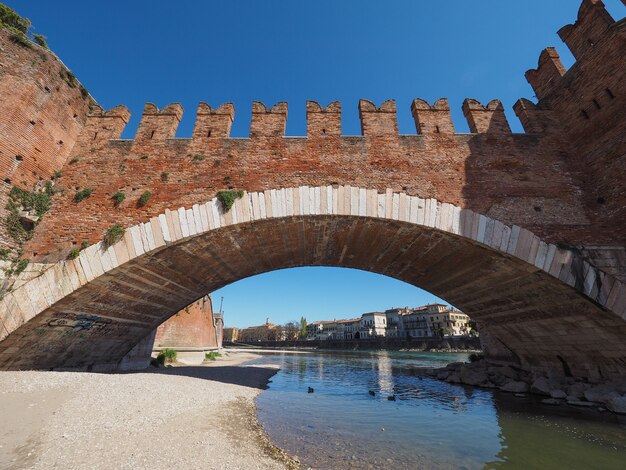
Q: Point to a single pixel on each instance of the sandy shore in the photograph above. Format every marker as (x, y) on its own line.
(177, 417)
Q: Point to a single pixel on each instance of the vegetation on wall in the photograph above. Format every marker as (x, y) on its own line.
(144, 198)
(21, 202)
(113, 235)
(228, 197)
(118, 198)
(82, 194)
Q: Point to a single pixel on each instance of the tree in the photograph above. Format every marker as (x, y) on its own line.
(292, 330)
(302, 328)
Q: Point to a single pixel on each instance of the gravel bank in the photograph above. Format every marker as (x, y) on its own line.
(178, 417)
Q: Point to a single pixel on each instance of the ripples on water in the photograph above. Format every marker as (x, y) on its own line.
(430, 425)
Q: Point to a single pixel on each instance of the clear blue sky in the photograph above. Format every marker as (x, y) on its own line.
(133, 51)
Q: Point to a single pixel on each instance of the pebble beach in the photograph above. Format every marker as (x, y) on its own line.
(173, 417)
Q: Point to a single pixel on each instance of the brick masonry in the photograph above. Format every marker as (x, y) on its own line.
(486, 220)
(41, 118)
(191, 327)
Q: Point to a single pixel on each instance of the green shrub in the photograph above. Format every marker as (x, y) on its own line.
(74, 160)
(57, 175)
(165, 176)
(41, 40)
(144, 198)
(475, 357)
(74, 253)
(228, 198)
(10, 18)
(31, 200)
(166, 356)
(68, 77)
(21, 266)
(212, 356)
(82, 194)
(83, 92)
(4, 254)
(118, 198)
(197, 158)
(20, 38)
(113, 235)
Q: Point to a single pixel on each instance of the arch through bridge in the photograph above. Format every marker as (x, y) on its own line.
(538, 305)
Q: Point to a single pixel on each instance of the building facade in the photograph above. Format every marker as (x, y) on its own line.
(428, 321)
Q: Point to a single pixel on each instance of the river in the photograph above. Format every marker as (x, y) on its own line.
(430, 424)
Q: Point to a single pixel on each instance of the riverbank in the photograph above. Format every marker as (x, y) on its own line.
(602, 395)
(174, 417)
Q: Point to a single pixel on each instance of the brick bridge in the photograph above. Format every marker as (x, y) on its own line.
(524, 232)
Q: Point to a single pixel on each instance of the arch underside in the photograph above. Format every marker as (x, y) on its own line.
(528, 316)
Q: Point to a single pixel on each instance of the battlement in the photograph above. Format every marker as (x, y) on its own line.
(587, 34)
(215, 123)
(482, 119)
(433, 119)
(321, 122)
(592, 23)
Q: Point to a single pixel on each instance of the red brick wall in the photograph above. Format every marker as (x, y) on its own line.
(563, 179)
(588, 105)
(191, 327)
(40, 120)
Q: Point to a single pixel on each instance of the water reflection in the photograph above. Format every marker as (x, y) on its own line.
(431, 424)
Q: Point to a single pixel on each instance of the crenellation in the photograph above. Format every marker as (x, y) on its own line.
(268, 122)
(433, 119)
(159, 125)
(486, 119)
(322, 122)
(534, 119)
(591, 25)
(547, 76)
(103, 125)
(213, 123)
(378, 121)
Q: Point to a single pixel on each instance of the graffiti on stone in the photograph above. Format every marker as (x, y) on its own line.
(79, 322)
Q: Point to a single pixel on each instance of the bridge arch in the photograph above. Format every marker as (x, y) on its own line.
(539, 305)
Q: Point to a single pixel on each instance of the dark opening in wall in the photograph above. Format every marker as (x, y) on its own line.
(537, 209)
(47, 89)
(323, 131)
(7, 180)
(566, 370)
(19, 158)
(152, 134)
(32, 123)
(595, 102)
(600, 200)
(584, 114)
(95, 134)
(437, 130)
(609, 93)
(209, 133)
(590, 42)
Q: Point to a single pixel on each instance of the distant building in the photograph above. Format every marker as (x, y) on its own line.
(428, 321)
(373, 325)
(231, 335)
(266, 332)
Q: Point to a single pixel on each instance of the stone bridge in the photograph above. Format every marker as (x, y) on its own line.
(524, 232)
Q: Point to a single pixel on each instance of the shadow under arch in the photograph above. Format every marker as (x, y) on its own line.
(89, 312)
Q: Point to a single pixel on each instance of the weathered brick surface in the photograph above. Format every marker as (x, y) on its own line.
(40, 119)
(191, 327)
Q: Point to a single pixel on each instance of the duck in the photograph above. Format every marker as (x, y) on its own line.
(310, 390)
(391, 398)
(372, 392)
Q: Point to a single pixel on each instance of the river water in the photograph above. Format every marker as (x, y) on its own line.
(430, 425)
